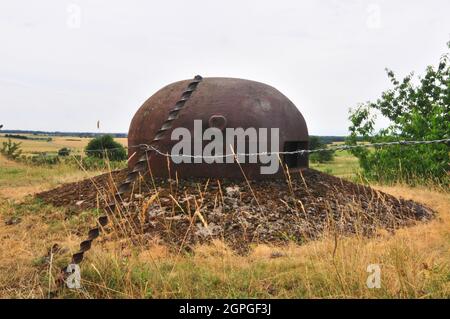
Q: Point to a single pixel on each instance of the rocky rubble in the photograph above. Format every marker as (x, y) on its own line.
(196, 211)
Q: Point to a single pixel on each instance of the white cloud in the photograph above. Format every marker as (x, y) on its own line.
(323, 55)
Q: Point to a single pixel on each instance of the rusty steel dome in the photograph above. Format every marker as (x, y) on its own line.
(221, 103)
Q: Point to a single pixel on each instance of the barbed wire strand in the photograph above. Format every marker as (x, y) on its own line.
(146, 147)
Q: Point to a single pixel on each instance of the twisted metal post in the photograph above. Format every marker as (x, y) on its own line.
(139, 168)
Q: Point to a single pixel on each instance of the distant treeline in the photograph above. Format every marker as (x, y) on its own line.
(327, 139)
(331, 139)
(24, 137)
(72, 134)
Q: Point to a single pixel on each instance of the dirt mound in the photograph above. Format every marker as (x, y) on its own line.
(83, 194)
(297, 209)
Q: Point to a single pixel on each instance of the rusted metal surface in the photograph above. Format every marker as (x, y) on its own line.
(218, 102)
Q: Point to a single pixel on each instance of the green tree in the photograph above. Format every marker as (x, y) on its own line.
(315, 142)
(11, 149)
(104, 146)
(416, 110)
(64, 151)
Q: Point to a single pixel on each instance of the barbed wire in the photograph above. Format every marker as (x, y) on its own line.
(147, 147)
(327, 149)
(301, 152)
(344, 147)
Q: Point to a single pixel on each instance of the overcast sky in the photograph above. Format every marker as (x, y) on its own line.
(66, 64)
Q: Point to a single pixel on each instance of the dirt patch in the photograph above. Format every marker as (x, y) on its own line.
(84, 194)
(188, 212)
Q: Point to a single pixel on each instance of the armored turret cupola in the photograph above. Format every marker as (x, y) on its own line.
(220, 128)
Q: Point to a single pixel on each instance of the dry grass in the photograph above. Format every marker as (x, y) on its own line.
(414, 264)
(18, 180)
(414, 261)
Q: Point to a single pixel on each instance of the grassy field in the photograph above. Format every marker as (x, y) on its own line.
(31, 147)
(344, 165)
(414, 261)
